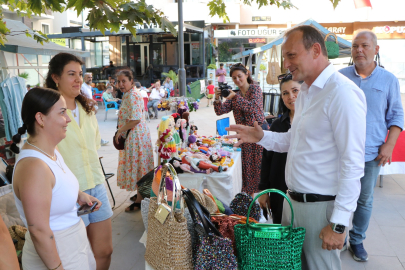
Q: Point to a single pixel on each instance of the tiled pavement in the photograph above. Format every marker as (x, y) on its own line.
(385, 241)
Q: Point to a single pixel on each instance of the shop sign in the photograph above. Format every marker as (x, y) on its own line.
(59, 41)
(389, 29)
(238, 33)
(257, 40)
(261, 18)
(337, 30)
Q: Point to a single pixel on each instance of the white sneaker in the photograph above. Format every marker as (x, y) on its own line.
(104, 142)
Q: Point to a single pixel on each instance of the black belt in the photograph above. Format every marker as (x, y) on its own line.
(309, 197)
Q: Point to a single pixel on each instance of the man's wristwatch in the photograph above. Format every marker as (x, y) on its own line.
(338, 228)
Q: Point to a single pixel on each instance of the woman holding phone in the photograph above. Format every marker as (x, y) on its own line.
(46, 191)
(79, 150)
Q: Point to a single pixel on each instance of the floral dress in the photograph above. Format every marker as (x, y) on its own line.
(247, 110)
(136, 160)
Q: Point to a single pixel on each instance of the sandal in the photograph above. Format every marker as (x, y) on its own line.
(132, 206)
(133, 198)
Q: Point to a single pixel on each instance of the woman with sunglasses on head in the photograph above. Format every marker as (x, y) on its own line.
(247, 107)
(79, 150)
(273, 163)
(46, 191)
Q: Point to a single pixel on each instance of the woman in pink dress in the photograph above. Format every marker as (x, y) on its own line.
(136, 160)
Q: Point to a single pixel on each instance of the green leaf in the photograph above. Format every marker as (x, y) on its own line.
(335, 3)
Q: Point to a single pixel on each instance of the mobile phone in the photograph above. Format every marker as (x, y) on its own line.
(86, 209)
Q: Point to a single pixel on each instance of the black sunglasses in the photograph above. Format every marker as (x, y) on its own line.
(286, 76)
(238, 65)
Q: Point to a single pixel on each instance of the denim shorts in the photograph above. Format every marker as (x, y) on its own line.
(104, 212)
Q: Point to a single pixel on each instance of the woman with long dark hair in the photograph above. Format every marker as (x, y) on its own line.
(46, 191)
(247, 107)
(136, 160)
(273, 163)
(79, 149)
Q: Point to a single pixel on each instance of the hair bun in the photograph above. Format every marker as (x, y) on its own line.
(14, 148)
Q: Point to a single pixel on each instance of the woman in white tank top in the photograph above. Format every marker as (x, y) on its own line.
(46, 191)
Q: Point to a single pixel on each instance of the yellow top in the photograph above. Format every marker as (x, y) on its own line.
(79, 149)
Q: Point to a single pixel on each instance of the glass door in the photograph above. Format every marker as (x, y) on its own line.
(140, 61)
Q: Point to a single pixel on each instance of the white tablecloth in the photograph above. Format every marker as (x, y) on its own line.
(223, 185)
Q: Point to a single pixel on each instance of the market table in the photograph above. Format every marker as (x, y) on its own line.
(397, 165)
(223, 185)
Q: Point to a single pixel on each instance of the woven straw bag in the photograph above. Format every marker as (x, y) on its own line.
(168, 245)
(274, 67)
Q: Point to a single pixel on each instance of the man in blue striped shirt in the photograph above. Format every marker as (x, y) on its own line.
(384, 112)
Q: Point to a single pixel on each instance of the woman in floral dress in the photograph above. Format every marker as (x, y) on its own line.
(136, 160)
(247, 107)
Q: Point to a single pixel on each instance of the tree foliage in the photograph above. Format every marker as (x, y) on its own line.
(112, 14)
(103, 14)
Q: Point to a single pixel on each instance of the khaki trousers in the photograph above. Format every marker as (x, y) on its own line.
(313, 217)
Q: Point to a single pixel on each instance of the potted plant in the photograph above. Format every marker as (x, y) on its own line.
(173, 76)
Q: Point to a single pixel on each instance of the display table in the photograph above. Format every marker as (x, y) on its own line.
(397, 165)
(223, 185)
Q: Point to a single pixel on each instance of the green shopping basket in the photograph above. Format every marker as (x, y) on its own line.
(269, 246)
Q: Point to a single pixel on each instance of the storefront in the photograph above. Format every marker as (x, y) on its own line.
(148, 54)
(391, 39)
(233, 41)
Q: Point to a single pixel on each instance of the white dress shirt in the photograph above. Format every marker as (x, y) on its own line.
(87, 90)
(157, 93)
(326, 142)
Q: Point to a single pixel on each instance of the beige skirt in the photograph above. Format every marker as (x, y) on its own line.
(73, 248)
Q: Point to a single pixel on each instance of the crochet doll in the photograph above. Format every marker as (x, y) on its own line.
(167, 146)
(200, 164)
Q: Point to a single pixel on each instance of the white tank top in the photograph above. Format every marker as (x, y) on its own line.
(63, 212)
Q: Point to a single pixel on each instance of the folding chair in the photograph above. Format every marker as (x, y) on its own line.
(221, 125)
(108, 176)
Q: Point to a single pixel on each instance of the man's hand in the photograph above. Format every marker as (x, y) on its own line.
(246, 134)
(385, 154)
(264, 201)
(331, 240)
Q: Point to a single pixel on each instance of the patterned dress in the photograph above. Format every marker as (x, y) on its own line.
(137, 158)
(246, 111)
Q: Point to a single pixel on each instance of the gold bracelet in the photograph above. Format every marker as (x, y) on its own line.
(56, 266)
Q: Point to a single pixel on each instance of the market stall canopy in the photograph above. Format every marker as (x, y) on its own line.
(344, 45)
(18, 42)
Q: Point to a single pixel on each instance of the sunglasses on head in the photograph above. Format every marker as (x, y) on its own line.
(238, 65)
(286, 76)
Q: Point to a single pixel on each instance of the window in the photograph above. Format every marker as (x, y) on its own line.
(45, 28)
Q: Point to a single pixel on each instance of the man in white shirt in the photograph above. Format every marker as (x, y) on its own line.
(325, 146)
(156, 95)
(86, 86)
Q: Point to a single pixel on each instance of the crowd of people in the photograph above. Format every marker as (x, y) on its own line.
(324, 151)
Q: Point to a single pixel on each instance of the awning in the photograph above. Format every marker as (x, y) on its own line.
(18, 42)
(344, 45)
(188, 28)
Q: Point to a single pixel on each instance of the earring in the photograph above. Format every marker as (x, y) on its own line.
(57, 85)
(42, 125)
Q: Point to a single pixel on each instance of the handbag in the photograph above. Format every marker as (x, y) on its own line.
(274, 67)
(212, 250)
(332, 46)
(269, 246)
(121, 141)
(240, 205)
(145, 184)
(168, 244)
